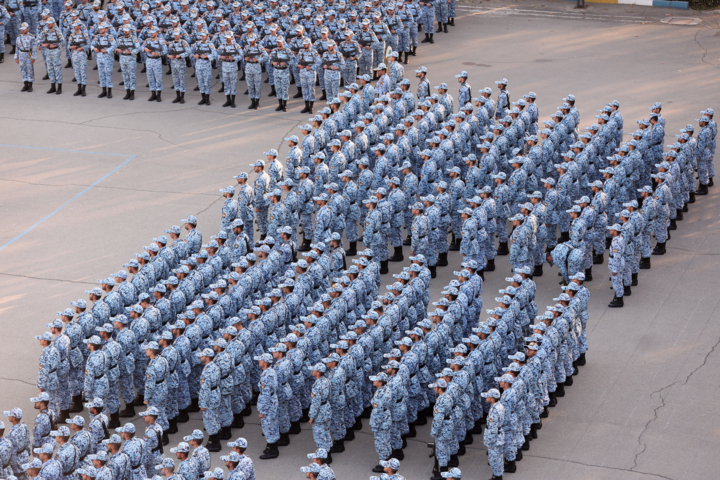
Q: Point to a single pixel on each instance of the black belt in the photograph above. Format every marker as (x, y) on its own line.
(280, 68)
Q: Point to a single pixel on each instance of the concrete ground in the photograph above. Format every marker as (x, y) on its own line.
(86, 182)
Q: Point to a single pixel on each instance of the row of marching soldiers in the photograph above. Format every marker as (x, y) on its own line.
(504, 373)
(72, 451)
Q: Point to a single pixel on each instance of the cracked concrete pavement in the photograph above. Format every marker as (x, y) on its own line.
(646, 404)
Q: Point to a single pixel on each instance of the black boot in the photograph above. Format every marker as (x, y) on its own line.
(439, 28)
(238, 421)
(222, 88)
(552, 403)
(560, 391)
(442, 260)
(307, 107)
(644, 263)
(183, 417)
(114, 420)
(673, 225)
(679, 215)
(349, 435)
(59, 89)
(352, 251)
(406, 58)
(144, 69)
(384, 267)
(305, 247)
(194, 407)
(538, 272)
(598, 259)
(232, 101)
(581, 359)
(445, 27)
(692, 197)
(273, 93)
(469, 440)
(490, 266)
(132, 95)
(173, 425)
(284, 105)
(627, 290)
(77, 404)
(109, 95)
(294, 428)
(129, 411)
(252, 104)
(659, 249)
(398, 255)
(52, 88)
(399, 454)
(153, 97)
(159, 97)
(25, 87)
(279, 107)
(711, 183)
(207, 99)
(227, 101)
(213, 443)
(177, 97)
(588, 274)
(298, 94)
(169, 72)
(634, 280)
(454, 461)
(685, 208)
(284, 440)
(311, 111)
(182, 97)
(502, 249)
(617, 302)
(569, 381)
(83, 93)
(510, 466)
(139, 401)
(329, 459)
(324, 95)
(433, 271)
(46, 77)
(247, 411)
(427, 39)
(225, 433)
(338, 447)
(67, 65)
(407, 241)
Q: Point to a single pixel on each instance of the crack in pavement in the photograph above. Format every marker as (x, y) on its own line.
(17, 380)
(114, 188)
(597, 466)
(211, 204)
(47, 279)
(704, 49)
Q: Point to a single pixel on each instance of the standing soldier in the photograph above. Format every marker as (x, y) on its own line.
(79, 46)
(178, 52)
(332, 63)
(307, 58)
(128, 47)
(204, 53)
(25, 56)
(280, 59)
(52, 39)
(96, 368)
(255, 56)
(128, 343)
(153, 439)
(420, 231)
(210, 398)
(443, 425)
(112, 351)
(616, 264)
(103, 44)
(320, 411)
(156, 385)
(47, 380)
(381, 418)
(42, 427)
(494, 438)
(230, 54)
(267, 405)
(262, 186)
(155, 48)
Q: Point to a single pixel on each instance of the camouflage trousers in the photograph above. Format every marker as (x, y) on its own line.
(128, 65)
(307, 85)
(79, 66)
(27, 69)
(154, 74)
(105, 63)
(211, 420)
(53, 63)
(178, 67)
(382, 444)
(321, 435)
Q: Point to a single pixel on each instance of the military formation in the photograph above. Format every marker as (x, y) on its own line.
(326, 44)
(286, 324)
